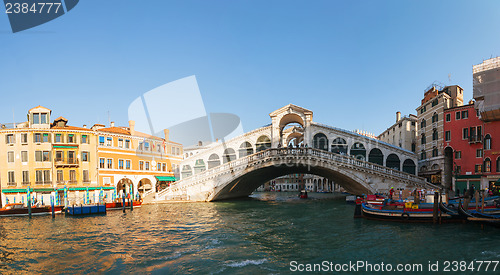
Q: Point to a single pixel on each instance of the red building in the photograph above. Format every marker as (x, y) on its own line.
(471, 156)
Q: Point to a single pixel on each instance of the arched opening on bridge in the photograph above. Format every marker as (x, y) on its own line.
(263, 143)
(339, 146)
(295, 139)
(320, 141)
(291, 124)
(246, 149)
(358, 151)
(229, 155)
(448, 167)
(186, 171)
(144, 186)
(376, 156)
(199, 166)
(123, 186)
(213, 161)
(393, 162)
(409, 167)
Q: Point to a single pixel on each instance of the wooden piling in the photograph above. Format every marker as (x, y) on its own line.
(435, 210)
(476, 196)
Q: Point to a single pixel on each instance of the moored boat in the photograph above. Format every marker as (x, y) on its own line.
(118, 205)
(18, 209)
(402, 213)
(303, 194)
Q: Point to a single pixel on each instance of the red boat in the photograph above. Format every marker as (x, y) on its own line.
(118, 205)
(18, 209)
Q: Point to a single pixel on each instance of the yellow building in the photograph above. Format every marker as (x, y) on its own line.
(47, 157)
(130, 158)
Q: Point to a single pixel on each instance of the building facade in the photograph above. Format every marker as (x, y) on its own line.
(430, 129)
(486, 88)
(403, 133)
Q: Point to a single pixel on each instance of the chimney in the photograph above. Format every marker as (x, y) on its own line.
(112, 124)
(85, 126)
(166, 132)
(131, 124)
(200, 143)
(398, 116)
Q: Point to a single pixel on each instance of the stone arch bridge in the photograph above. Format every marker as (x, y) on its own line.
(292, 143)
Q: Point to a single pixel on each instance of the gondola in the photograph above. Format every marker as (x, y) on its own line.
(452, 212)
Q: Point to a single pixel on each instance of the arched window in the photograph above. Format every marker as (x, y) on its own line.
(435, 152)
(358, 151)
(423, 155)
(393, 161)
(229, 155)
(246, 149)
(423, 139)
(199, 166)
(409, 166)
(487, 165)
(186, 171)
(213, 161)
(423, 124)
(487, 142)
(263, 143)
(376, 156)
(435, 117)
(339, 146)
(435, 135)
(320, 141)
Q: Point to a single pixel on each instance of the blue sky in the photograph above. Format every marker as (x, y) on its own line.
(353, 63)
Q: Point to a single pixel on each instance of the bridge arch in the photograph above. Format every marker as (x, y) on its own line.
(393, 162)
(409, 167)
(186, 171)
(376, 156)
(229, 155)
(199, 166)
(213, 161)
(320, 141)
(358, 151)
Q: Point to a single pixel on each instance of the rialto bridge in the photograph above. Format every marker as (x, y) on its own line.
(293, 143)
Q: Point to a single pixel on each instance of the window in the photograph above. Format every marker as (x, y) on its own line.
(101, 141)
(85, 156)
(478, 168)
(10, 156)
(423, 139)
(435, 152)
(46, 176)
(72, 176)
(498, 164)
(435, 135)
(487, 142)
(127, 143)
(465, 114)
(109, 141)
(457, 115)
(127, 164)
(10, 139)
(101, 163)
(120, 164)
(86, 177)
(26, 177)
(423, 155)
(59, 138)
(413, 147)
(447, 136)
(465, 132)
(458, 154)
(479, 153)
(38, 155)
(38, 177)
(12, 178)
(435, 117)
(487, 165)
(37, 138)
(24, 156)
(60, 176)
(158, 167)
(85, 139)
(434, 103)
(36, 118)
(59, 156)
(141, 165)
(71, 138)
(120, 142)
(43, 119)
(110, 164)
(164, 167)
(46, 155)
(146, 146)
(423, 124)
(45, 138)
(24, 138)
(422, 110)
(448, 117)
(147, 165)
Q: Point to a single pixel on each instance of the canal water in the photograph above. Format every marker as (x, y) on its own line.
(259, 235)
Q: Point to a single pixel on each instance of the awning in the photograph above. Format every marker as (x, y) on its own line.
(165, 178)
(23, 190)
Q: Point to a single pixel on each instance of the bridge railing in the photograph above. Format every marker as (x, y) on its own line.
(321, 154)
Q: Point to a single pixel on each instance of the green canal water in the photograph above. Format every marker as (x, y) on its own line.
(260, 235)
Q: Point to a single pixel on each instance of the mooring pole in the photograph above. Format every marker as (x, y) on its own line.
(123, 202)
(52, 206)
(435, 210)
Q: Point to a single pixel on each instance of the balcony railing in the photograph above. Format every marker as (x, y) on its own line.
(12, 184)
(66, 162)
(476, 139)
(25, 183)
(72, 182)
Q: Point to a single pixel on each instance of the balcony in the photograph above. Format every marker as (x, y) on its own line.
(25, 183)
(42, 182)
(476, 139)
(66, 162)
(72, 182)
(12, 184)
